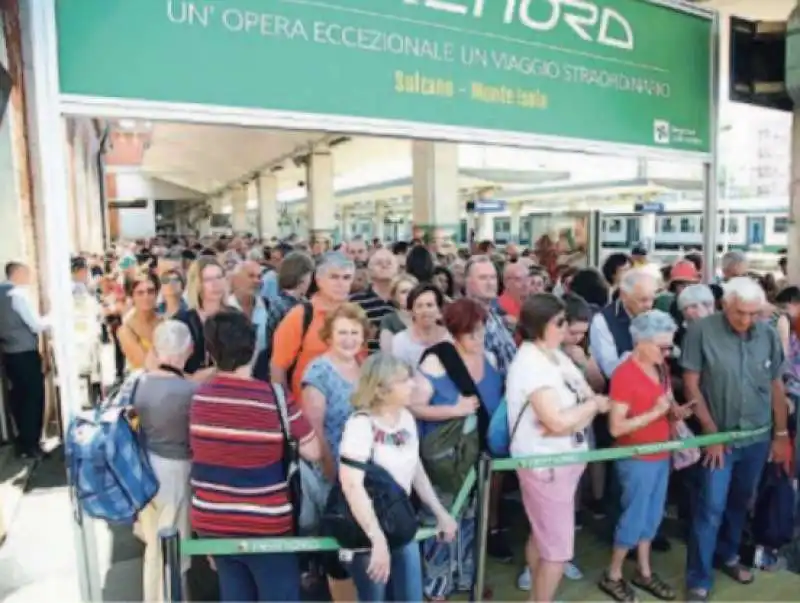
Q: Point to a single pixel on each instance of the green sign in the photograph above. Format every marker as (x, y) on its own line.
(614, 71)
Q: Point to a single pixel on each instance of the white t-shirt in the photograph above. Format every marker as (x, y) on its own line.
(399, 459)
(530, 371)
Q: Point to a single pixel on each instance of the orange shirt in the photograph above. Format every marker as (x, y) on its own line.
(287, 344)
(509, 305)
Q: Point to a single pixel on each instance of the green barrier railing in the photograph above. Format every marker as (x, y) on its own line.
(488, 466)
(173, 548)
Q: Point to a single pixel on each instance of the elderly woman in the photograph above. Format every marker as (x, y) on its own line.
(328, 385)
(162, 400)
(550, 405)
(384, 432)
(641, 402)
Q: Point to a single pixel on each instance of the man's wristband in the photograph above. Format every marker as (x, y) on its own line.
(782, 434)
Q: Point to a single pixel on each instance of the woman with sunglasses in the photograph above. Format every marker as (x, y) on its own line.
(136, 333)
(172, 287)
(550, 405)
(641, 408)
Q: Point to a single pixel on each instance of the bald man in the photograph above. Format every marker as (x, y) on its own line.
(245, 281)
(516, 283)
(376, 300)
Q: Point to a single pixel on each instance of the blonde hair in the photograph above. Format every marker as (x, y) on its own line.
(194, 281)
(349, 311)
(378, 374)
(399, 280)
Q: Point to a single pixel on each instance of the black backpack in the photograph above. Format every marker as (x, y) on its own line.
(261, 365)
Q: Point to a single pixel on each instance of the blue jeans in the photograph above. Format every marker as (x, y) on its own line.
(405, 576)
(273, 577)
(723, 498)
(644, 494)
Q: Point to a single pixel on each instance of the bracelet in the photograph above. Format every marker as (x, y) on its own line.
(782, 434)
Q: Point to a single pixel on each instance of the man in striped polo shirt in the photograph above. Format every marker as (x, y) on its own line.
(376, 300)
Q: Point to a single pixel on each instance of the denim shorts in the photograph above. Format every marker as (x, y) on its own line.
(644, 495)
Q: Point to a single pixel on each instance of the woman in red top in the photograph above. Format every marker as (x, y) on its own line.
(640, 409)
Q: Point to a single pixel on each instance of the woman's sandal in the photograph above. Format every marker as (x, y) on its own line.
(655, 586)
(737, 572)
(619, 590)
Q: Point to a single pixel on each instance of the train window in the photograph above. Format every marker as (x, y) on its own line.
(667, 225)
(733, 227)
(615, 226)
(687, 225)
(780, 225)
(603, 225)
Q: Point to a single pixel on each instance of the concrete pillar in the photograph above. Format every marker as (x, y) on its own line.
(82, 198)
(647, 230)
(267, 193)
(484, 227)
(239, 222)
(516, 221)
(345, 223)
(380, 225)
(435, 207)
(321, 197)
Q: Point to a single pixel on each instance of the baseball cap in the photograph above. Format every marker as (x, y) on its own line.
(684, 271)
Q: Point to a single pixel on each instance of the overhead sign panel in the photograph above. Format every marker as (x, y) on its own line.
(614, 71)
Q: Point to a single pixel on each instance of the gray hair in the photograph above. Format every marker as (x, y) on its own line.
(256, 254)
(745, 289)
(636, 276)
(649, 325)
(171, 339)
(694, 295)
(335, 260)
(732, 259)
(478, 259)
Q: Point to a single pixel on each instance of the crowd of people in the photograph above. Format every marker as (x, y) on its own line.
(375, 355)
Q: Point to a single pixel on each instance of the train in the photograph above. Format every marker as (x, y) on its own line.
(762, 231)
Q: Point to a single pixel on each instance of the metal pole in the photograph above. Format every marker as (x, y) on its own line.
(171, 564)
(484, 491)
(41, 53)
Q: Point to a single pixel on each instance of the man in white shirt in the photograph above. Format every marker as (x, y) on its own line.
(20, 326)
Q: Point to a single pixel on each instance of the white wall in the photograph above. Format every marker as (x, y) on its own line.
(133, 185)
(12, 243)
(136, 222)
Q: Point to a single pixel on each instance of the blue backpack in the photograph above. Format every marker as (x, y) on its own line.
(108, 469)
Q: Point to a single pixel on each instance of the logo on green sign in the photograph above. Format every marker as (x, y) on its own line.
(589, 21)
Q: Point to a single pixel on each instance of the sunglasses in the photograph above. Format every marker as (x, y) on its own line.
(170, 280)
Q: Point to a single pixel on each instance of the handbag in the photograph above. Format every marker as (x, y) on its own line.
(392, 505)
(453, 447)
(308, 490)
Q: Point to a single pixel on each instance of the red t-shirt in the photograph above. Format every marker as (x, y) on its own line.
(630, 385)
(509, 305)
